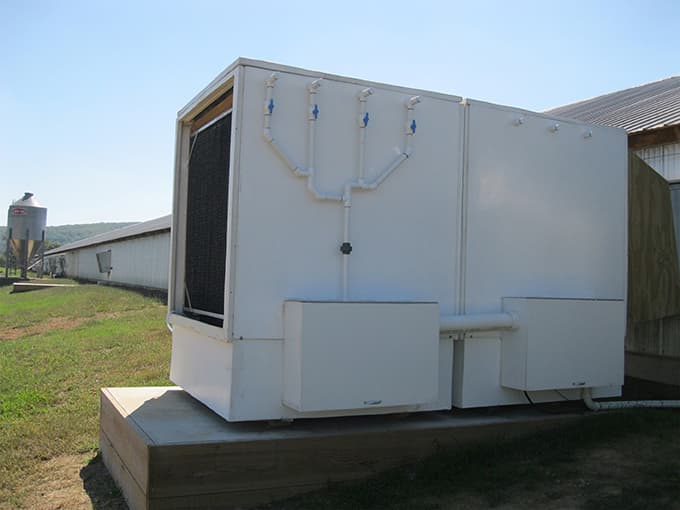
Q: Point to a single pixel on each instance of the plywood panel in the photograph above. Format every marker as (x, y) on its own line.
(653, 276)
(660, 337)
(644, 336)
(670, 340)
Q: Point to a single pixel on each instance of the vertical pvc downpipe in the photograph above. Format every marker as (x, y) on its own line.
(312, 115)
(363, 123)
(347, 207)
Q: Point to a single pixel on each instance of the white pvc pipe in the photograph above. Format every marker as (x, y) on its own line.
(406, 152)
(586, 394)
(267, 133)
(311, 125)
(363, 123)
(345, 237)
(478, 322)
(311, 138)
(389, 169)
(309, 172)
(410, 124)
(269, 106)
(312, 113)
(295, 168)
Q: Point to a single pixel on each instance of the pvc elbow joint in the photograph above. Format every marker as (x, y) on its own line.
(411, 103)
(271, 80)
(363, 95)
(312, 88)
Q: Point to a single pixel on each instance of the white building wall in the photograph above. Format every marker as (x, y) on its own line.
(140, 261)
(665, 159)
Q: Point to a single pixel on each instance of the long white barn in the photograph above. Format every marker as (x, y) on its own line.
(134, 256)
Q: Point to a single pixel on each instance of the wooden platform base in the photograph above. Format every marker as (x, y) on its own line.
(167, 451)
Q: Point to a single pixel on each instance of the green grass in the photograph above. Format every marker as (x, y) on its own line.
(13, 272)
(57, 348)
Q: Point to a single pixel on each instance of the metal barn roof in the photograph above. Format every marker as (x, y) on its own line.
(650, 106)
(140, 229)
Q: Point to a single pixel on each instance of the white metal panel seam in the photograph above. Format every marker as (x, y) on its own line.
(240, 77)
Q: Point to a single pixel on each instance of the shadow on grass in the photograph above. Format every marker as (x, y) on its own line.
(160, 295)
(100, 487)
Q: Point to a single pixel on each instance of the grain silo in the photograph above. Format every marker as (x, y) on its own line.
(26, 221)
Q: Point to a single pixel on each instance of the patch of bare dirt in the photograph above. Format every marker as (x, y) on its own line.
(48, 325)
(51, 324)
(73, 482)
(597, 478)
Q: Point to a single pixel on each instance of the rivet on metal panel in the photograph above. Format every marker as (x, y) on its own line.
(518, 121)
(554, 128)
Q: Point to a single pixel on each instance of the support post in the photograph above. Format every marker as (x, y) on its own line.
(9, 238)
(42, 255)
(24, 257)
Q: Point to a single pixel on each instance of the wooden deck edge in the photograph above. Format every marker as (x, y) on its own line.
(130, 443)
(132, 492)
(239, 500)
(241, 474)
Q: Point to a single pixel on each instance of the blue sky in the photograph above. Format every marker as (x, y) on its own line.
(89, 90)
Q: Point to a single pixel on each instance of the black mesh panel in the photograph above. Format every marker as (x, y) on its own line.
(207, 194)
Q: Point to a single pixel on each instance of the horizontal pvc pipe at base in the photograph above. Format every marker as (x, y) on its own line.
(629, 404)
(478, 322)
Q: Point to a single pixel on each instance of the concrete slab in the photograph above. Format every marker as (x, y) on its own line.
(166, 450)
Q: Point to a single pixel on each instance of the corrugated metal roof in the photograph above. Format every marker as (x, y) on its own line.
(648, 106)
(140, 229)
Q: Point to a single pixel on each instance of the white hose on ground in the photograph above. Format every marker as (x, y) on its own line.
(586, 394)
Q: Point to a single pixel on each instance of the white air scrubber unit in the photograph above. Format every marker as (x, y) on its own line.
(343, 247)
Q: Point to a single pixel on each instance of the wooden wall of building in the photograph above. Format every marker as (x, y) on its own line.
(653, 273)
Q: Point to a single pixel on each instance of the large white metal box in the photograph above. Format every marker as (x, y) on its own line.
(349, 355)
(563, 344)
(350, 201)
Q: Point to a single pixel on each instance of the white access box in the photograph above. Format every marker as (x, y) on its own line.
(359, 355)
(563, 344)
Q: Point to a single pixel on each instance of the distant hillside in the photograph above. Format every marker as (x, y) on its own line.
(64, 234)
